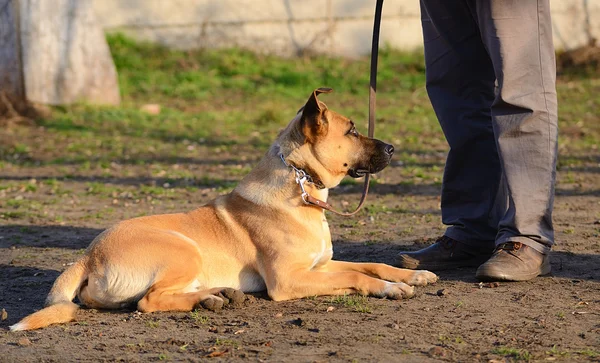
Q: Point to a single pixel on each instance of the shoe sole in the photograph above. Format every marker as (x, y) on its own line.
(495, 275)
(410, 263)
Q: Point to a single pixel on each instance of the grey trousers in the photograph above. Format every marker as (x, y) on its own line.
(491, 78)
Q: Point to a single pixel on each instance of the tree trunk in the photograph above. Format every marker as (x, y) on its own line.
(65, 57)
(11, 76)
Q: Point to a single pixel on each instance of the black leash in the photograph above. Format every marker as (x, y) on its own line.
(372, 92)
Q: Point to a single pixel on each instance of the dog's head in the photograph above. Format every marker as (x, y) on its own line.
(331, 147)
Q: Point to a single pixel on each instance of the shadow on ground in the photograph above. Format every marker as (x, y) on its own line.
(564, 264)
(17, 236)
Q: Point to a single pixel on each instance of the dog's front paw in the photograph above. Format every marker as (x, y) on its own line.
(422, 278)
(398, 291)
(212, 303)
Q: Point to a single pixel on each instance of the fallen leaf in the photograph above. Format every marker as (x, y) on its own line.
(23, 342)
(217, 354)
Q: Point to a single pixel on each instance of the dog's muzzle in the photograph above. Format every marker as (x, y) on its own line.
(377, 162)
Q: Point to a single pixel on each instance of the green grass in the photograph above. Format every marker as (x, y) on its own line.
(358, 303)
(517, 354)
(234, 101)
(199, 318)
(148, 70)
(152, 324)
(225, 97)
(588, 352)
(227, 342)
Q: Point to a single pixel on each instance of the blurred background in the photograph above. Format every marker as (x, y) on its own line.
(126, 99)
(292, 27)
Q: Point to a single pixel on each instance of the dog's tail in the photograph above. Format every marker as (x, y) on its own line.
(59, 304)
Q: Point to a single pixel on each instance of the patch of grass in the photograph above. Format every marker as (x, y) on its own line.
(51, 182)
(588, 352)
(448, 339)
(262, 93)
(152, 324)
(227, 342)
(555, 352)
(199, 318)
(219, 98)
(358, 303)
(517, 354)
(15, 203)
(12, 215)
(97, 188)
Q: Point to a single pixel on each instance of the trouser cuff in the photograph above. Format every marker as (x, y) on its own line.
(476, 244)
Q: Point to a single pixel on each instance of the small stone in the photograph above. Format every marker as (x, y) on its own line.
(437, 352)
(330, 309)
(298, 322)
(23, 342)
(442, 292)
(278, 315)
(3, 315)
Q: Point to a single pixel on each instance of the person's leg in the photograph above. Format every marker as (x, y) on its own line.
(460, 83)
(518, 37)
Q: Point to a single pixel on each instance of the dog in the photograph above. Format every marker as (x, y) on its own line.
(261, 236)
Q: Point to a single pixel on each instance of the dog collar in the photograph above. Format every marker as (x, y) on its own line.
(302, 177)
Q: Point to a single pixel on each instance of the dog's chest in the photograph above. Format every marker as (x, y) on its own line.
(321, 251)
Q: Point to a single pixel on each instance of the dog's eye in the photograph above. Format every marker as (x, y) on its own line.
(352, 131)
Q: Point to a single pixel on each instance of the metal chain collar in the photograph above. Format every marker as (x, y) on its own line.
(301, 178)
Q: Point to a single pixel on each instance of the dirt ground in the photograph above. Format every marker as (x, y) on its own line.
(47, 220)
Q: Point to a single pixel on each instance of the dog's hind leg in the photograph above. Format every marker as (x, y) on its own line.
(169, 299)
(158, 299)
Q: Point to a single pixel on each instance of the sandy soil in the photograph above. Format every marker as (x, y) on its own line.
(556, 317)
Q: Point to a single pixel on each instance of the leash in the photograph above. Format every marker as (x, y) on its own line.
(301, 176)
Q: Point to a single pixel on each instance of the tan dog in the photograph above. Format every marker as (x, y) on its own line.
(260, 236)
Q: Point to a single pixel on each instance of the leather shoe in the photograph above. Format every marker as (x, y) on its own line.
(446, 253)
(514, 261)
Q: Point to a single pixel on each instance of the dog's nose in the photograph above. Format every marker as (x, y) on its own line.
(389, 149)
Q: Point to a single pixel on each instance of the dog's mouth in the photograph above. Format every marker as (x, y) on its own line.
(358, 173)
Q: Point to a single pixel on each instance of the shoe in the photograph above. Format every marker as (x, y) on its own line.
(514, 261)
(446, 253)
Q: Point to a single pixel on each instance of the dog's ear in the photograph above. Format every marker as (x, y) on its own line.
(313, 121)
